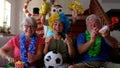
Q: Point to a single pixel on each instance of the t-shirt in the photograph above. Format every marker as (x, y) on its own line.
(103, 55)
(61, 47)
(15, 44)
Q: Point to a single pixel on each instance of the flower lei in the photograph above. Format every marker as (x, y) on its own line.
(95, 48)
(23, 48)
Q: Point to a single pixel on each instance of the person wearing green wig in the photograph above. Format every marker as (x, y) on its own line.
(94, 44)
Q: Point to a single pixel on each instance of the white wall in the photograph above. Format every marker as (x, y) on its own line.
(14, 16)
(109, 5)
(17, 15)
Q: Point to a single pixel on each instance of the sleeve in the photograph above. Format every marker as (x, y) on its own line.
(81, 39)
(13, 41)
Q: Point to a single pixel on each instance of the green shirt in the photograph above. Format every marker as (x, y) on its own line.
(61, 47)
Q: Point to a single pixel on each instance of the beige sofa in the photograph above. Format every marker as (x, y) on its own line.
(3, 40)
(114, 56)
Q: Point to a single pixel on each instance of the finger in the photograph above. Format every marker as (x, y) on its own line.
(66, 35)
(11, 60)
(62, 39)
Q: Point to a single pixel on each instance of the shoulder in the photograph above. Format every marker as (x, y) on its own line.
(81, 38)
(81, 35)
(15, 38)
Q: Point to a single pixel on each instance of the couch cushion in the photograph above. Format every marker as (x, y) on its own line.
(3, 40)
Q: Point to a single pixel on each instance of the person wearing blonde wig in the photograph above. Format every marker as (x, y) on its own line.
(56, 8)
(60, 41)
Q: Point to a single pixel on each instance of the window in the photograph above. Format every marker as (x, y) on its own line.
(5, 12)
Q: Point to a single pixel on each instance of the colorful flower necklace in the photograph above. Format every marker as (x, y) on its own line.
(95, 48)
(23, 48)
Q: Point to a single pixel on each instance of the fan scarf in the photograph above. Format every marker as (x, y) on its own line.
(23, 48)
(95, 48)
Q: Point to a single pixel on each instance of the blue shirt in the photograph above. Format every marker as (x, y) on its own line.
(104, 53)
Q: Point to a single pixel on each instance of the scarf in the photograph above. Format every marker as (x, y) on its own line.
(23, 48)
(95, 48)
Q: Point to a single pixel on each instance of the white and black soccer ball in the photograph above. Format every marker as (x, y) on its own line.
(53, 59)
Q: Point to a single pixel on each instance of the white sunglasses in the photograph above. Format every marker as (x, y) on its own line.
(57, 10)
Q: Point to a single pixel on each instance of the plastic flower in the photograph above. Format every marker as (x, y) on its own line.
(45, 8)
(75, 5)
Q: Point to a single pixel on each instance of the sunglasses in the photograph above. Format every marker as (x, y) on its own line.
(57, 10)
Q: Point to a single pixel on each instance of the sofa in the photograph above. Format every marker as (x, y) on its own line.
(115, 54)
(3, 40)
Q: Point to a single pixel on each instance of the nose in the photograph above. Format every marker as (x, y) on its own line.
(94, 25)
(58, 12)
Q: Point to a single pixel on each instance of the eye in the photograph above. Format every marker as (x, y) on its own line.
(55, 24)
(60, 10)
(54, 10)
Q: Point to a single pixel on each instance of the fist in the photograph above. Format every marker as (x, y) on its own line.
(28, 1)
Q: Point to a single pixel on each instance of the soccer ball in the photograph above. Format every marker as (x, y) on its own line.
(53, 59)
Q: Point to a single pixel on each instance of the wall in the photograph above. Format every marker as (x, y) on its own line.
(14, 16)
(116, 34)
(17, 15)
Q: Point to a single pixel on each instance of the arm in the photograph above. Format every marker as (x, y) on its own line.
(46, 48)
(38, 55)
(47, 42)
(111, 40)
(83, 46)
(71, 49)
(43, 20)
(74, 16)
(4, 53)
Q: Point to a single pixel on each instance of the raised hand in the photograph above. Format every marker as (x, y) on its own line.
(28, 1)
(68, 40)
(74, 13)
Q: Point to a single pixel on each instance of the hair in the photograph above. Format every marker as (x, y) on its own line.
(59, 17)
(30, 20)
(35, 10)
(93, 16)
(57, 5)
